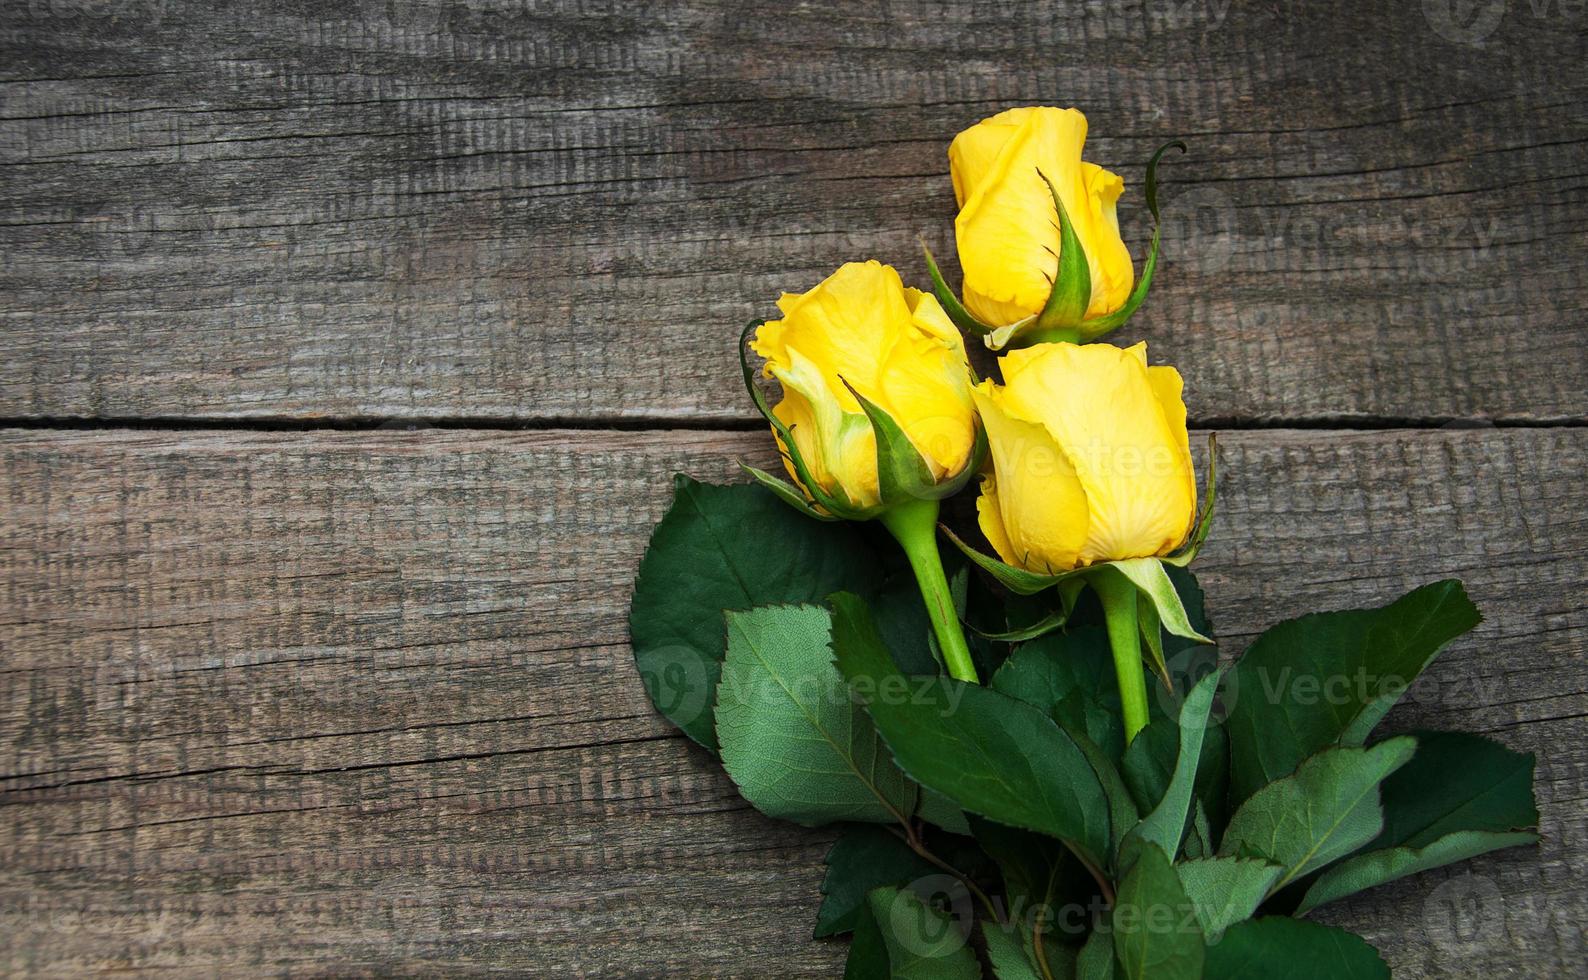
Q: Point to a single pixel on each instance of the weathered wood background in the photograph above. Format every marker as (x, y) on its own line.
(278, 697)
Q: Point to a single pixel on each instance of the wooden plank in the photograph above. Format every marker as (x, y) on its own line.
(364, 701)
(565, 211)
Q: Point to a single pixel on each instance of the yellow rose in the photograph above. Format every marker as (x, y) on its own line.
(1091, 459)
(1011, 174)
(861, 331)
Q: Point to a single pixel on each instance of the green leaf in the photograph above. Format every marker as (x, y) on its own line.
(1012, 958)
(1070, 677)
(792, 739)
(1461, 795)
(940, 811)
(901, 618)
(1149, 762)
(1096, 959)
(868, 954)
(1213, 778)
(1199, 839)
(1073, 714)
(1374, 868)
(1311, 682)
(1278, 946)
(1328, 809)
(1041, 882)
(1006, 954)
(1045, 671)
(1457, 781)
(1226, 890)
(717, 548)
(1165, 825)
(922, 943)
(1156, 933)
(865, 857)
(987, 752)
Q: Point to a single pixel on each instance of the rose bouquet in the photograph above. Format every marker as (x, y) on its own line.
(1039, 765)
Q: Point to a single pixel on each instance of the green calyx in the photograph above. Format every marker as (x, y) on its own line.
(1162, 606)
(1062, 318)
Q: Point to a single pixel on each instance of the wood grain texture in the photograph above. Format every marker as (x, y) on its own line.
(363, 702)
(564, 211)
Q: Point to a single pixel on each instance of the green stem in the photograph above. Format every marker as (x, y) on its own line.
(914, 524)
(1124, 635)
(913, 839)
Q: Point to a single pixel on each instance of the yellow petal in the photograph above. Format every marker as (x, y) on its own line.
(1169, 388)
(925, 386)
(1034, 511)
(1007, 228)
(861, 329)
(989, 514)
(838, 446)
(928, 316)
(974, 151)
(1112, 273)
(1100, 405)
(845, 326)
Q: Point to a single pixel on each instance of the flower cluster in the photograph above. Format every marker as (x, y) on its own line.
(1083, 451)
(1068, 817)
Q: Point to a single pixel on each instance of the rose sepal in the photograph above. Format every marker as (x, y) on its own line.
(1147, 574)
(961, 317)
(1096, 328)
(1069, 594)
(786, 492)
(1062, 318)
(836, 503)
(902, 472)
(1069, 293)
